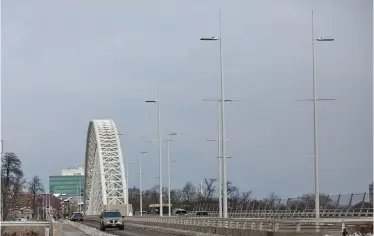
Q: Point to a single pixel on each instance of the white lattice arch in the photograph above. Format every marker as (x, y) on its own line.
(105, 182)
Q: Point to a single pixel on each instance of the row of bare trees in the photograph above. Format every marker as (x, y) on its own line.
(205, 196)
(14, 184)
(189, 195)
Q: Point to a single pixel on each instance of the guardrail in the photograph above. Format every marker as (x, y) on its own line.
(46, 224)
(287, 214)
(326, 225)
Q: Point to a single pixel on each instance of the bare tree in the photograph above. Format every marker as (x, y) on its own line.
(151, 195)
(11, 182)
(245, 198)
(232, 190)
(233, 195)
(189, 192)
(176, 196)
(35, 189)
(134, 198)
(326, 201)
(154, 194)
(209, 188)
(272, 201)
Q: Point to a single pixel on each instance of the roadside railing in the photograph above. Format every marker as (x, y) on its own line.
(326, 225)
(287, 214)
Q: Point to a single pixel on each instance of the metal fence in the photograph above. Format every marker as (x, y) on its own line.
(344, 202)
(300, 225)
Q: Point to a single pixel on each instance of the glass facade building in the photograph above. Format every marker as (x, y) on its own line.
(71, 185)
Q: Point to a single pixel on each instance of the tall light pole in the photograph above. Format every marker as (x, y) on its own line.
(160, 149)
(127, 175)
(169, 176)
(79, 195)
(219, 154)
(49, 203)
(219, 158)
(315, 124)
(127, 182)
(222, 116)
(316, 156)
(140, 183)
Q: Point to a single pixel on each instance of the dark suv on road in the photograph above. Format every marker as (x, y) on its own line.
(111, 219)
(76, 216)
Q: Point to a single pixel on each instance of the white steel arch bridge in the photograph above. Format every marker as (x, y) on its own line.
(105, 184)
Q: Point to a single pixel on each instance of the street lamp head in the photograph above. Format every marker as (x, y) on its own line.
(173, 133)
(324, 39)
(149, 101)
(209, 39)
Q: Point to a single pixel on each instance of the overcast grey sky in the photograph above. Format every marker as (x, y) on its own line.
(65, 63)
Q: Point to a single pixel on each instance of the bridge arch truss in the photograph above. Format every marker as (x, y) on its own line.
(105, 182)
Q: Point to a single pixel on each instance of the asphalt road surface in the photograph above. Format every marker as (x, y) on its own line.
(95, 223)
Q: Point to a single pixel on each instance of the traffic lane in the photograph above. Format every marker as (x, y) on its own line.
(128, 231)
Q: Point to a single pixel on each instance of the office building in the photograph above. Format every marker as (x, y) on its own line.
(70, 183)
(371, 193)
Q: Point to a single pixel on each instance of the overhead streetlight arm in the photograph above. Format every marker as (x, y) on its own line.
(215, 140)
(218, 100)
(151, 101)
(318, 99)
(209, 39)
(324, 39)
(234, 100)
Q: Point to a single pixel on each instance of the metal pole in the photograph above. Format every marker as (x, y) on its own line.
(169, 184)
(140, 185)
(223, 122)
(44, 207)
(160, 151)
(80, 197)
(127, 185)
(127, 180)
(219, 160)
(49, 204)
(316, 174)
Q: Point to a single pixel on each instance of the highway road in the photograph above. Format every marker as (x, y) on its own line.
(94, 222)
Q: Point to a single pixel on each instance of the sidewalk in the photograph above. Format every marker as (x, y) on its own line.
(68, 230)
